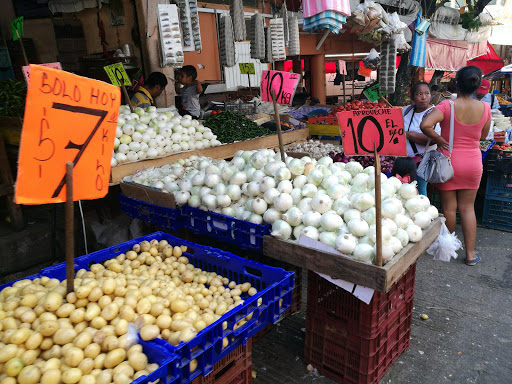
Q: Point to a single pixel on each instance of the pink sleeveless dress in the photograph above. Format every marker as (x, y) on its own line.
(466, 156)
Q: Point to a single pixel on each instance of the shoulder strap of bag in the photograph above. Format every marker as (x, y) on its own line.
(412, 143)
(452, 117)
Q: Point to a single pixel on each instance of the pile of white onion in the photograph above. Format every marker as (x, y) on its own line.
(316, 148)
(333, 203)
(149, 134)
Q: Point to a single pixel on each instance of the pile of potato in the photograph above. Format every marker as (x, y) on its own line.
(90, 335)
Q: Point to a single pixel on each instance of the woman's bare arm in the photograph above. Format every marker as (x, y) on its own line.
(427, 127)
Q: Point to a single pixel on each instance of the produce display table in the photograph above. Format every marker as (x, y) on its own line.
(339, 267)
(221, 152)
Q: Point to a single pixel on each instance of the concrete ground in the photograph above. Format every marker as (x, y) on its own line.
(467, 338)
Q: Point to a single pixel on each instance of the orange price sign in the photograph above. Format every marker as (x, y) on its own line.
(363, 129)
(68, 118)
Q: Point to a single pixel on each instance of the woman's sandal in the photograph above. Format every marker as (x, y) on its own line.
(474, 261)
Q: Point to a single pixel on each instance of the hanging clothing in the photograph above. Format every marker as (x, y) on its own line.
(314, 7)
(325, 20)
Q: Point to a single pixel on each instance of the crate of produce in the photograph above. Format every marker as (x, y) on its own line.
(167, 218)
(274, 294)
(326, 298)
(323, 120)
(497, 213)
(235, 368)
(349, 358)
(156, 351)
(485, 147)
(241, 233)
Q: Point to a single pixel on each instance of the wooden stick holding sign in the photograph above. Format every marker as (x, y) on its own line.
(119, 78)
(278, 125)
(22, 48)
(378, 207)
(70, 228)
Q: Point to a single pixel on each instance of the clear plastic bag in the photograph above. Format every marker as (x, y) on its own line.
(446, 245)
(372, 61)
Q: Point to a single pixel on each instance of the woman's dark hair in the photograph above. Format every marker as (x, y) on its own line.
(156, 78)
(468, 80)
(434, 88)
(415, 87)
(404, 166)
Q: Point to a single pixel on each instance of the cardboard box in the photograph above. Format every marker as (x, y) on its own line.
(148, 195)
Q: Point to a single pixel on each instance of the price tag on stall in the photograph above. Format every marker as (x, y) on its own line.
(247, 68)
(384, 127)
(17, 25)
(68, 118)
(284, 85)
(366, 72)
(117, 74)
(373, 93)
(26, 69)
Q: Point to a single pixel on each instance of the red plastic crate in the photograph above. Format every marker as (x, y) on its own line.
(339, 355)
(327, 120)
(235, 368)
(325, 298)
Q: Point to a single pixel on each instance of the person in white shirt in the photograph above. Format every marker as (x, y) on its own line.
(483, 94)
(413, 115)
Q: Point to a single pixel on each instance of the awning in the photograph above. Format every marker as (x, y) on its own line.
(451, 55)
(489, 62)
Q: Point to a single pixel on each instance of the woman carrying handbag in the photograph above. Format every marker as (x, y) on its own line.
(471, 123)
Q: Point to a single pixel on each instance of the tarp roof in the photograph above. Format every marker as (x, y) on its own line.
(489, 62)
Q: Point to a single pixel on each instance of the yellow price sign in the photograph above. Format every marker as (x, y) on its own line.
(247, 68)
(117, 74)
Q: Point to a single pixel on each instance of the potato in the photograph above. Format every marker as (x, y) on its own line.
(92, 350)
(87, 379)
(28, 357)
(149, 332)
(34, 340)
(108, 286)
(115, 357)
(98, 322)
(99, 361)
(187, 334)
(7, 352)
(86, 366)
(71, 376)
(143, 306)
(93, 310)
(193, 365)
(163, 321)
(109, 344)
(52, 301)
(122, 379)
(29, 375)
(179, 306)
(48, 328)
(51, 376)
(13, 367)
(20, 336)
(28, 317)
(73, 357)
(105, 377)
(77, 315)
(53, 363)
(121, 327)
(64, 336)
(127, 313)
(123, 369)
(95, 295)
(252, 291)
(110, 311)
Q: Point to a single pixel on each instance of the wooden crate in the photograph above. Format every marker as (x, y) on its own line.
(221, 152)
(339, 267)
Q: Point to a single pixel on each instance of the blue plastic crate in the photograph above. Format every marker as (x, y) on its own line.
(166, 218)
(497, 213)
(224, 228)
(274, 285)
(499, 184)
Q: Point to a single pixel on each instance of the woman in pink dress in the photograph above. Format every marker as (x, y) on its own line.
(471, 124)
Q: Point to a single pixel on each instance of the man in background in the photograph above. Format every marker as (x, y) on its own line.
(483, 94)
(152, 88)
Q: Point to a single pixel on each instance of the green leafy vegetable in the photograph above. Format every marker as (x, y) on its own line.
(230, 127)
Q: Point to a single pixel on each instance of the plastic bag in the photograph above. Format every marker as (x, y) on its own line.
(372, 61)
(446, 245)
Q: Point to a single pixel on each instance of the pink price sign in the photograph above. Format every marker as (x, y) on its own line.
(284, 85)
(26, 69)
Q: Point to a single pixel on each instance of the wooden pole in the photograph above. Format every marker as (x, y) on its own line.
(125, 92)
(378, 203)
(249, 81)
(278, 124)
(22, 48)
(70, 233)
(386, 101)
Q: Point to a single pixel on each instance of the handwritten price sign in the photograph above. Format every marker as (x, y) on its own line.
(284, 85)
(67, 118)
(384, 128)
(26, 69)
(117, 74)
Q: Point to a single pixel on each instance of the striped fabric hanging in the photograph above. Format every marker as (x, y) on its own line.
(419, 46)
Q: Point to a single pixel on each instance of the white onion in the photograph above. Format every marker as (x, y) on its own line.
(321, 203)
(330, 221)
(345, 244)
(283, 202)
(414, 233)
(311, 232)
(364, 253)
(281, 230)
(271, 215)
(270, 195)
(259, 206)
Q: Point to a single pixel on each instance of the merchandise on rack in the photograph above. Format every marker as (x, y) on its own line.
(205, 325)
